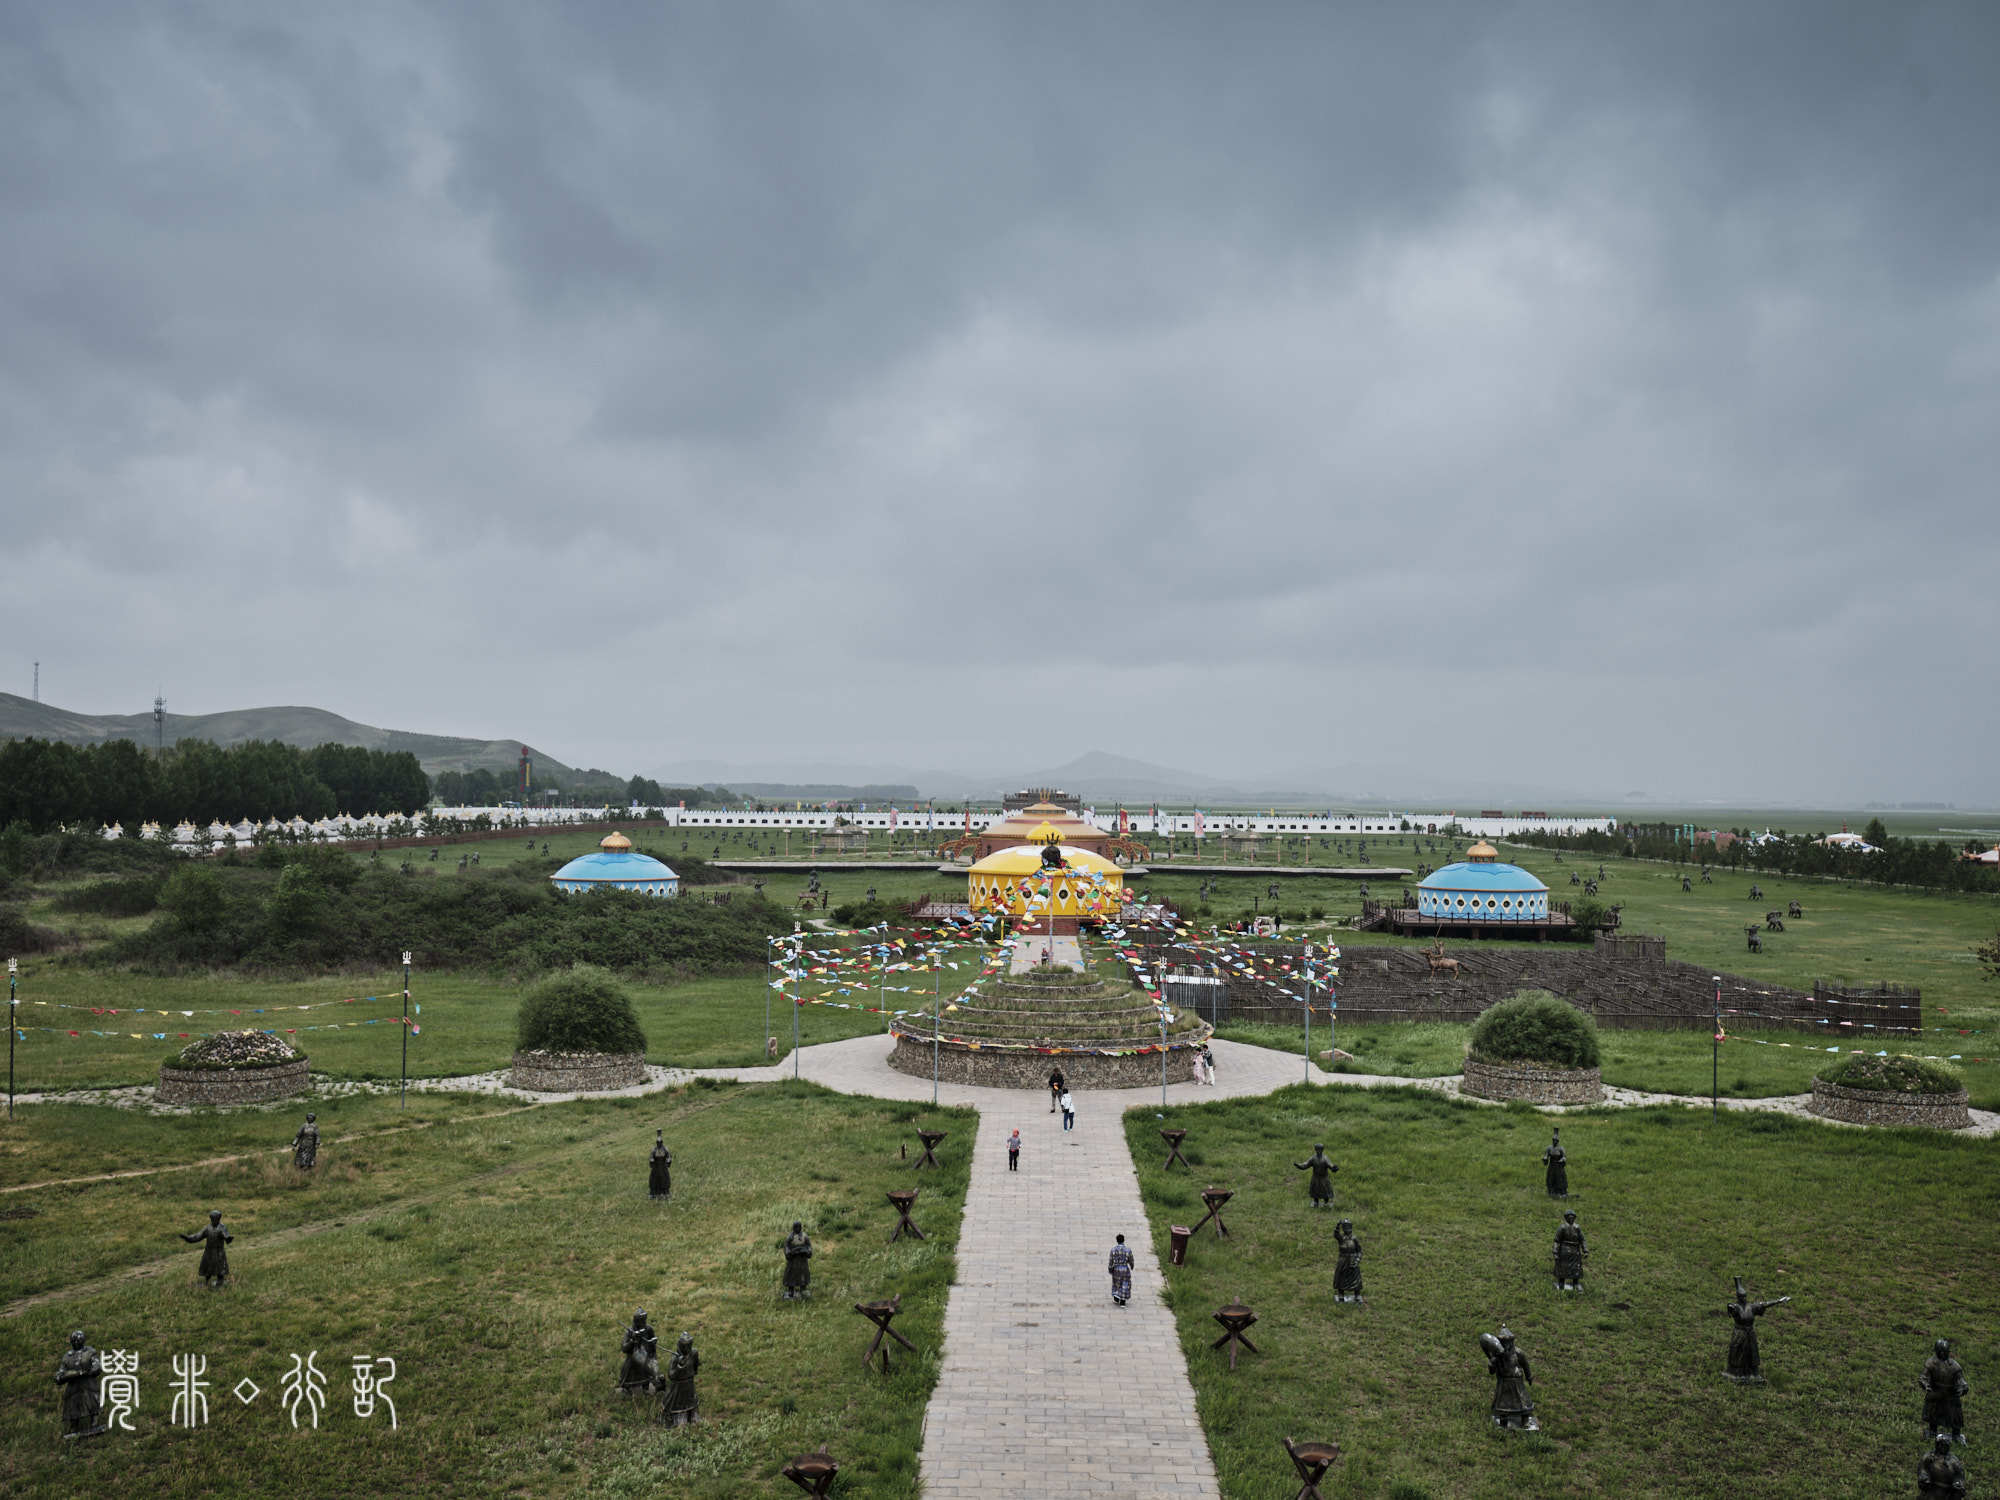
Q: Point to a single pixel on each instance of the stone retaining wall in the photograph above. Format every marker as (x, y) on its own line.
(576, 1072)
(997, 1067)
(1887, 1107)
(230, 1085)
(1530, 1081)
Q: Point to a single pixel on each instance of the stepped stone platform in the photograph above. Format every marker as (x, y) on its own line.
(1015, 1030)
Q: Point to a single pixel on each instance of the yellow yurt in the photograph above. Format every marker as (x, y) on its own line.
(1011, 881)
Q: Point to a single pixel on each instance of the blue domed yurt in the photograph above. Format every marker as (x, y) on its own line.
(617, 866)
(1481, 888)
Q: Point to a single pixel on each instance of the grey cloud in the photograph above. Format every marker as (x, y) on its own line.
(1618, 380)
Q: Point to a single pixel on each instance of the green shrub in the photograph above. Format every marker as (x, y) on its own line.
(1534, 1026)
(19, 936)
(1902, 1075)
(133, 896)
(581, 1010)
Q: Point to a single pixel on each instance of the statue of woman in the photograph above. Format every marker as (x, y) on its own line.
(1746, 1365)
(660, 1179)
(1558, 1166)
(641, 1348)
(1347, 1269)
(1320, 1189)
(1513, 1406)
(214, 1259)
(1944, 1388)
(79, 1373)
(798, 1262)
(679, 1408)
(305, 1145)
(1570, 1253)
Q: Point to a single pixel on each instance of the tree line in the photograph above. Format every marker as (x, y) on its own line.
(46, 785)
(1930, 863)
(484, 788)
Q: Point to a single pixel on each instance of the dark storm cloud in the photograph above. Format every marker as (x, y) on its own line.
(1620, 380)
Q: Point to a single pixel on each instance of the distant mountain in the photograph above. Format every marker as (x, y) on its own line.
(23, 718)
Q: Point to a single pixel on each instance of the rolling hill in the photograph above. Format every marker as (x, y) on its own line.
(23, 718)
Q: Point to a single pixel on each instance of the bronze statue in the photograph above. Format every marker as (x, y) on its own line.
(305, 1145)
(1570, 1253)
(798, 1262)
(641, 1348)
(1746, 1364)
(1051, 857)
(679, 1407)
(1513, 1406)
(1320, 1189)
(1944, 1388)
(79, 1373)
(214, 1259)
(1347, 1269)
(1558, 1166)
(1941, 1476)
(660, 1177)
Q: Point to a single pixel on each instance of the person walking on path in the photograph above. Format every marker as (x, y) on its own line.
(1121, 1272)
(1208, 1065)
(1055, 1089)
(1014, 1152)
(1195, 1068)
(1068, 1110)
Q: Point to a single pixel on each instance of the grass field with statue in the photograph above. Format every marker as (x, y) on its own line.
(495, 1252)
(1882, 1238)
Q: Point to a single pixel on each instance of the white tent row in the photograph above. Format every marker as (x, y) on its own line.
(343, 826)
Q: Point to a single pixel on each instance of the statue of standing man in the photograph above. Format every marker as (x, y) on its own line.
(214, 1259)
(1944, 1388)
(1941, 1476)
(1320, 1189)
(680, 1408)
(1513, 1405)
(1746, 1363)
(798, 1250)
(1347, 1268)
(80, 1373)
(305, 1145)
(1570, 1253)
(660, 1176)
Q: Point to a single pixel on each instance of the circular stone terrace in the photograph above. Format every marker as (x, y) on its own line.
(1013, 1031)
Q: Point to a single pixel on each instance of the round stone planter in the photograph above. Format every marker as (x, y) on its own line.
(999, 1066)
(1885, 1107)
(1532, 1082)
(576, 1072)
(230, 1085)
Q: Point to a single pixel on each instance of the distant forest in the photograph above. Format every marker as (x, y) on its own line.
(1930, 863)
(45, 785)
(482, 788)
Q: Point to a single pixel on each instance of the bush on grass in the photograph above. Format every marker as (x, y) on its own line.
(1533, 1026)
(1901, 1075)
(581, 1010)
(131, 896)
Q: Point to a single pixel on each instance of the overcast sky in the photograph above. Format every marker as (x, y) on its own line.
(1590, 395)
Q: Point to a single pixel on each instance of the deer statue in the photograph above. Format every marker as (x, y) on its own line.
(1439, 963)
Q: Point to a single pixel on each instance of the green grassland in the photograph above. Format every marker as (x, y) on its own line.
(467, 1020)
(495, 1255)
(1884, 1239)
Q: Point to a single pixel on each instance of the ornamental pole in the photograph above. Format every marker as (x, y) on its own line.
(403, 1091)
(13, 1015)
